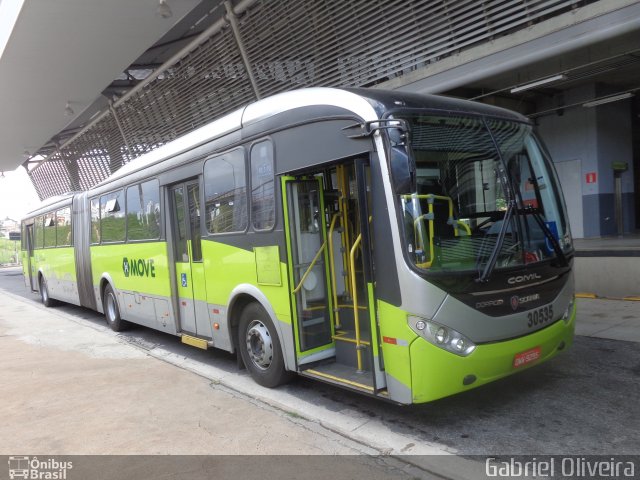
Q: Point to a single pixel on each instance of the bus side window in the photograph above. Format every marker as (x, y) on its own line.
(112, 222)
(143, 211)
(263, 203)
(63, 225)
(38, 232)
(225, 189)
(50, 230)
(95, 221)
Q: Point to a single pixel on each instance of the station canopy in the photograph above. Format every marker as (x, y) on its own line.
(86, 86)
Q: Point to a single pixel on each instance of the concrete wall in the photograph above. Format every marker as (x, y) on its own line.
(596, 137)
(613, 277)
(569, 135)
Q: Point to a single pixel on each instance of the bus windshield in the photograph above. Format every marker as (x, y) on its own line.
(487, 197)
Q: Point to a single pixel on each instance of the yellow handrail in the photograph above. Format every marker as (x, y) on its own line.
(354, 295)
(343, 207)
(466, 227)
(435, 197)
(431, 234)
(311, 265)
(332, 269)
(430, 217)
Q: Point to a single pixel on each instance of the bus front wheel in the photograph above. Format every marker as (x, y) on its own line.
(260, 348)
(111, 310)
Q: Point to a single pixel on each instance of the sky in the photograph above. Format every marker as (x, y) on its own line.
(17, 195)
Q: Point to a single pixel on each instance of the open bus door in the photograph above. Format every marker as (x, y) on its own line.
(189, 269)
(308, 261)
(331, 279)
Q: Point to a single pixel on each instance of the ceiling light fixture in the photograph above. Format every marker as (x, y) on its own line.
(164, 10)
(612, 98)
(537, 83)
(1, 174)
(68, 111)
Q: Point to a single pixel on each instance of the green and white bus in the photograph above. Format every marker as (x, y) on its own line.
(404, 246)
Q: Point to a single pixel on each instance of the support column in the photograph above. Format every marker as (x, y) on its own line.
(115, 156)
(233, 21)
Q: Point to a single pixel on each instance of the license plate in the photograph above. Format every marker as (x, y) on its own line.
(527, 356)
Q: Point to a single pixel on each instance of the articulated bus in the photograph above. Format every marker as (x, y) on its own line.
(407, 247)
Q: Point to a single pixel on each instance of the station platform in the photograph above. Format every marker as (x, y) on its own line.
(608, 267)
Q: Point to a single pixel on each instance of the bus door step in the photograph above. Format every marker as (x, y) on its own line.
(342, 375)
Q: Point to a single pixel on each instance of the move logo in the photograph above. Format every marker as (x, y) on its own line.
(137, 267)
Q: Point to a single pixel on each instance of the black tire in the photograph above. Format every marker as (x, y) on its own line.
(260, 348)
(47, 301)
(111, 310)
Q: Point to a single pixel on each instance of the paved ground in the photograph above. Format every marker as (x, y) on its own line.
(612, 319)
(70, 388)
(585, 401)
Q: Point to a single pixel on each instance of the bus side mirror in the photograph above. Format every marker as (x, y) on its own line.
(403, 170)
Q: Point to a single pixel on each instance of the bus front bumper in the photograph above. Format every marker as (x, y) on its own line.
(436, 373)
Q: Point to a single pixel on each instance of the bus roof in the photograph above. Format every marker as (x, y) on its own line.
(247, 115)
(46, 205)
(368, 104)
(385, 100)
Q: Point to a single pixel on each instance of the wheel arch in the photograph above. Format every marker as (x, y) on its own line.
(243, 295)
(41, 276)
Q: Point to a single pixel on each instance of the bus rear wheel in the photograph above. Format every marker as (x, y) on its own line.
(47, 301)
(260, 348)
(111, 310)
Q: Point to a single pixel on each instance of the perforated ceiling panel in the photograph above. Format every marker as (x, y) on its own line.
(289, 44)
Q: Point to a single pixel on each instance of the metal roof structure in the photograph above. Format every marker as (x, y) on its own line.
(212, 57)
(54, 54)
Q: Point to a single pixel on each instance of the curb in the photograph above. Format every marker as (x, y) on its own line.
(593, 296)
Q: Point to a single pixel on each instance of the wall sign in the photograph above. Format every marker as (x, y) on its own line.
(591, 177)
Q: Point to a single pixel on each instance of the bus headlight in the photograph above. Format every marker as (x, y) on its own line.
(567, 313)
(441, 336)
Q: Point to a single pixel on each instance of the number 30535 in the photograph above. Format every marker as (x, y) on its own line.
(540, 316)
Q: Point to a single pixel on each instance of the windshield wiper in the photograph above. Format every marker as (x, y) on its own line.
(547, 233)
(491, 262)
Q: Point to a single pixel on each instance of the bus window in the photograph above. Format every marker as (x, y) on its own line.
(263, 205)
(143, 211)
(95, 221)
(193, 196)
(180, 242)
(226, 193)
(50, 230)
(38, 232)
(112, 217)
(63, 222)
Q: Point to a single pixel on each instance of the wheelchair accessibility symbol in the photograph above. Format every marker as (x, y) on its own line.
(183, 277)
